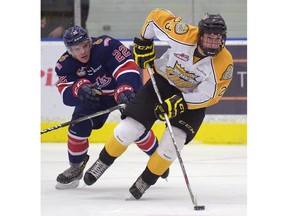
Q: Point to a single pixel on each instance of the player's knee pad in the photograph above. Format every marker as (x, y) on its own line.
(128, 131)
(166, 147)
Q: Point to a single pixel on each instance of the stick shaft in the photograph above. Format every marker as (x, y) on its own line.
(119, 106)
(169, 126)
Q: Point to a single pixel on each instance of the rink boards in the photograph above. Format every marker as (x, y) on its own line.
(225, 122)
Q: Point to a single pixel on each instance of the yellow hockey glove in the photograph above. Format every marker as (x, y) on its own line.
(172, 106)
(143, 52)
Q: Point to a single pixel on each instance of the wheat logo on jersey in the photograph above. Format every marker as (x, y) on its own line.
(182, 56)
(181, 28)
(180, 77)
(228, 73)
(103, 81)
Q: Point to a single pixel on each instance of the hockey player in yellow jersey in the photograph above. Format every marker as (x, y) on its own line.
(191, 75)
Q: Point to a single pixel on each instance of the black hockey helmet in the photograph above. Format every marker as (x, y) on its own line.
(212, 24)
(74, 36)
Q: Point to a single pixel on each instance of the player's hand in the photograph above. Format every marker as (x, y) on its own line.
(172, 106)
(124, 94)
(143, 52)
(88, 93)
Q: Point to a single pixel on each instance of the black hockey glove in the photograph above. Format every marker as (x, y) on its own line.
(143, 52)
(87, 93)
(172, 106)
(124, 94)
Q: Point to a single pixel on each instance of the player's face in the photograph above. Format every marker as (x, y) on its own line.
(82, 51)
(211, 41)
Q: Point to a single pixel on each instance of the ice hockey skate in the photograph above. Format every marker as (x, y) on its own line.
(139, 188)
(165, 174)
(95, 172)
(71, 177)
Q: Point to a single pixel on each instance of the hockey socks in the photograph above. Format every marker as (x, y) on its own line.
(77, 148)
(114, 148)
(148, 142)
(157, 164)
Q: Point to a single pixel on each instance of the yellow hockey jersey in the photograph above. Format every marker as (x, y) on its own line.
(201, 81)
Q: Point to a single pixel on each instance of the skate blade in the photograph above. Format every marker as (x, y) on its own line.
(166, 179)
(74, 184)
(130, 197)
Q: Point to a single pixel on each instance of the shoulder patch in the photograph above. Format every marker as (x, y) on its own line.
(62, 58)
(228, 73)
(181, 28)
(98, 41)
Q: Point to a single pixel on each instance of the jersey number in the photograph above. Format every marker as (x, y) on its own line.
(222, 91)
(121, 53)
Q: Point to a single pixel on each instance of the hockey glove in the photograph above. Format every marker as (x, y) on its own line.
(124, 94)
(87, 93)
(172, 106)
(143, 52)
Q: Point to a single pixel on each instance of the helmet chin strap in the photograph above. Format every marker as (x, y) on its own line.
(199, 52)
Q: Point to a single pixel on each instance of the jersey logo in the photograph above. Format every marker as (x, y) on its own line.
(181, 28)
(180, 77)
(98, 41)
(106, 41)
(62, 79)
(81, 72)
(170, 23)
(103, 81)
(182, 56)
(62, 58)
(167, 26)
(59, 66)
(228, 73)
(87, 71)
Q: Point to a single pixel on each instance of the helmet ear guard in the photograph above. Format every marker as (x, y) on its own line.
(74, 36)
(212, 24)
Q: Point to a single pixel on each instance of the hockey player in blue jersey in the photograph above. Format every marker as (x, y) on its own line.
(95, 73)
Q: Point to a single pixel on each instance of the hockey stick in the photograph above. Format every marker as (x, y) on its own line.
(119, 106)
(194, 201)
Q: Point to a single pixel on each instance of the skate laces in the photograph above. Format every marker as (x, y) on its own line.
(72, 172)
(141, 185)
(97, 169)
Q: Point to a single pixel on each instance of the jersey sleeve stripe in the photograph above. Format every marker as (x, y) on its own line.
(62, 86)
(128, 67)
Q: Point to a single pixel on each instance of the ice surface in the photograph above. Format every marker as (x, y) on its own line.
(217, 176)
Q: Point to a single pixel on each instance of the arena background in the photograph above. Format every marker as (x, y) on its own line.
(225, 122)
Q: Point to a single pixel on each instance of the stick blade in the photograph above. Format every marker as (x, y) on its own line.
(199, 208)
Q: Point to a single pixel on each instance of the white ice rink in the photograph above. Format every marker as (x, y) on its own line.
(217, 176)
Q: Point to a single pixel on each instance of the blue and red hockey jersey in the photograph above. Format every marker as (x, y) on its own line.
(111, 65)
